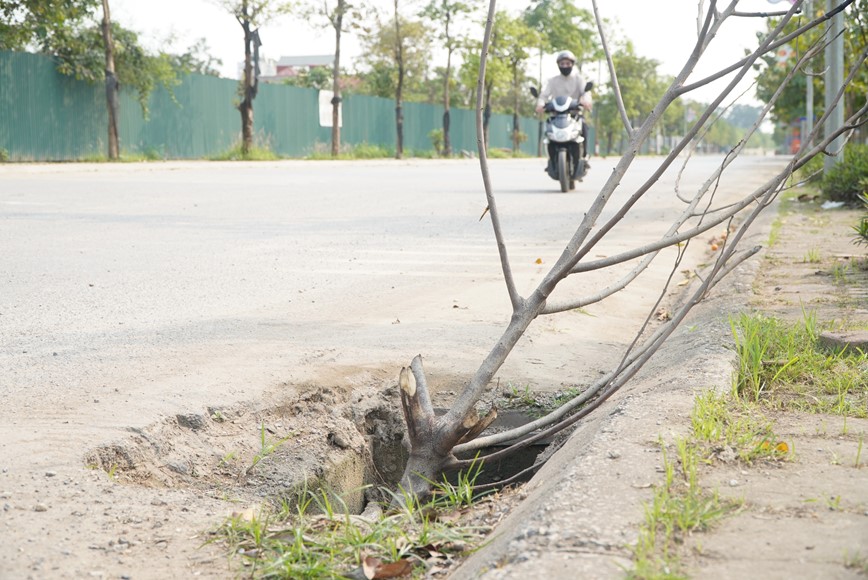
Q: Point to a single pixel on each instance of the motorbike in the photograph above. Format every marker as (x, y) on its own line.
(564, 139)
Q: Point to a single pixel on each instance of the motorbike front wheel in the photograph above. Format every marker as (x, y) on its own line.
(564, 170)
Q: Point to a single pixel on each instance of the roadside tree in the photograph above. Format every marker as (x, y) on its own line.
(438, 443)
(397, 57)
(251, 15)
(445, 16)
(342, 16)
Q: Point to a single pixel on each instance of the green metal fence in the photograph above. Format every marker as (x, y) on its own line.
(46, 116)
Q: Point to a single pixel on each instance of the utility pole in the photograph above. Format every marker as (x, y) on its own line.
(834, 79)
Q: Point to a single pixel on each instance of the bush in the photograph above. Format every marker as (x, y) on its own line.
(437, 140)
(848, 180)
(861, 228)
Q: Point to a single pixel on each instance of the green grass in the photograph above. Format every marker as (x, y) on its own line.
(255, 153)
(857, 562)
(680, 507)
(322, 152)
(727, 421)
(316, 537)
(783, 366)
(267, 446)
(812, 256)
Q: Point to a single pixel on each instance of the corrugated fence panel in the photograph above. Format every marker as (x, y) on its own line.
(196, 119)
(368, 120)
(47, 116)
(287, 120)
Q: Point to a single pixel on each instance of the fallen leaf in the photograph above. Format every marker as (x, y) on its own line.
(539, 260)
(782, 447)
(393, 570)
(369, 566)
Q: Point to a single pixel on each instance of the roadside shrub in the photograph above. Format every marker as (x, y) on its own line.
(437, 140)
(861, 228)
(848, 180)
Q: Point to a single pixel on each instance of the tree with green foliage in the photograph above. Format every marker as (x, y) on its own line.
(397, 53)
(317, 77)
(95, 49)
(641, 88)
(791, 104)
(251, 15)
(442, 15)
(498, 76)
(42, 24)
(513, 40)
(563, 26)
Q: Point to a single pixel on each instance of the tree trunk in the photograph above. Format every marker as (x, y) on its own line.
(249, 84)
(336, 87)
(515, 103)
(111, 84)
(447, 144)
(399, 92)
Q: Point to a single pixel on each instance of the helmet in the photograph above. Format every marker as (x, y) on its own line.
(566, 54)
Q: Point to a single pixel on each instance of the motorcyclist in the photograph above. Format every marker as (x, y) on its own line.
(569, 83)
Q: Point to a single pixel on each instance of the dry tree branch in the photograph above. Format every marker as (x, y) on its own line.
(435, 441)
(761, 14)
(646, 128)
(727, 261)
(773, 46)
(616, 87)
(482, 147)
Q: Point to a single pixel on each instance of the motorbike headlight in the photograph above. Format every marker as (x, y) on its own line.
(562, 135)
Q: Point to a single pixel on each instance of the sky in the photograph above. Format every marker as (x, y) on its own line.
(664, 31)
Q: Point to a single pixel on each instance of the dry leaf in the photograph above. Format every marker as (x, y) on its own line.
(369, 566)
(539, 260)
(782, 447)
(393, 570)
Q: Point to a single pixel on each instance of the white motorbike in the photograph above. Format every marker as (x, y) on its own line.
(564, 140)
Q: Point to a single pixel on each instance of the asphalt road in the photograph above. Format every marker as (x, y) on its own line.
(151, 289)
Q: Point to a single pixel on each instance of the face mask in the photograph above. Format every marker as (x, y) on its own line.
(566, 70)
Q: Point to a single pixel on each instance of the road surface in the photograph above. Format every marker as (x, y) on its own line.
(132, 292)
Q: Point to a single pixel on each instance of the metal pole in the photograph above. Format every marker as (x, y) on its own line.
(834, 80)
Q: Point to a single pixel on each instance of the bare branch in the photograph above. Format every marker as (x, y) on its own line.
(615, 86)
(653, 118)
(770, 47)
(761, 14)
(514, 296)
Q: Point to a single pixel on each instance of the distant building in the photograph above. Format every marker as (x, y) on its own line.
(271, 71)
(267, 67)
(290, 66)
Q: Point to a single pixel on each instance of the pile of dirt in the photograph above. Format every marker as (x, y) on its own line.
(338, 440)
